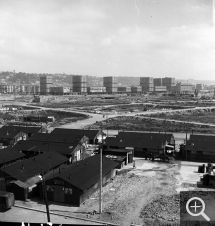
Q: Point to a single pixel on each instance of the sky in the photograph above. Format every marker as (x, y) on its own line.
(140, 38)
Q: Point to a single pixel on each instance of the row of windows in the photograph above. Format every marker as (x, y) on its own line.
(67, 191)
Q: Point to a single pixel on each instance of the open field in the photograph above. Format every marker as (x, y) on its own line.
(147, 195)
(16, 117)
(138, 123)
(199, 115)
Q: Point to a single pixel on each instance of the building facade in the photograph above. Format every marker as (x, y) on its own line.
(79, 83)
(147, 84)
(110, 83)
(45, 84)
(168, 82)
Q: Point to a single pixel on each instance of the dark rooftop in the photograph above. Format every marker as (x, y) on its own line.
(58, 138)
(91, 134)
(24, 129)
(8, 134)
(26, 169)
(9, 154)
(38, 146)
(139, 139)
(83, 174)
(201, 142)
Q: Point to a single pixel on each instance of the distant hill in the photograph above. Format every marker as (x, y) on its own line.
(66, 79)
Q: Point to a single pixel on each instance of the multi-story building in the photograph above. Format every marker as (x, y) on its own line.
(110, 84)
(199, 87)
(136, 89)
(59, 90)
(79, 83)
(96, 89)
(168, 82)
(45, 84)
(147, 84)
(157, 81)
(182, 88)
(124, 89)
(160, 88)
(4, 88)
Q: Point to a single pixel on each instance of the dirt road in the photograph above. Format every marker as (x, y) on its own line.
(16, 214)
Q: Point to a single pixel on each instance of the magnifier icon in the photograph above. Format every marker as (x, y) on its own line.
(196, 206)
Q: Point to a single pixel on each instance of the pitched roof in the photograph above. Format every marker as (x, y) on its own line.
(139, 140)
(58, 138)
(201, 142)
(8, 134)
(38, 146)
(8, 154)
(33, 166)
(88, 133)
(24, 129)
(85, 173)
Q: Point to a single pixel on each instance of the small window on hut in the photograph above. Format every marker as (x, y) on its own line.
(68, 191)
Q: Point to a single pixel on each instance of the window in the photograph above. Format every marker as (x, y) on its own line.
(49, 188)
(68, 191)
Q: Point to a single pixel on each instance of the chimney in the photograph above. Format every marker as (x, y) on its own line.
(86, 163)
(23, 167)
(70, 176)
(59, 170)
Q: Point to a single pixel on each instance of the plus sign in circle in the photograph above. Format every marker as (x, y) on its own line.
(196, 207)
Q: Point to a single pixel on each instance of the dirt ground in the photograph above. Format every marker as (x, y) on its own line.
(140, 123)
(147, 195)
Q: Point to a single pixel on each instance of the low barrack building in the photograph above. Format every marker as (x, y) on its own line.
(31, 148)
(199, 147)
(93, 135)
(78, 181)
(22, 177)
(141, 142)
(29, 130)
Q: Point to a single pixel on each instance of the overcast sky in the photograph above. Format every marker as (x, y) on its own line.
(155, 38)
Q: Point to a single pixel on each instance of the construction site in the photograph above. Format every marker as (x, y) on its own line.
(147, 193)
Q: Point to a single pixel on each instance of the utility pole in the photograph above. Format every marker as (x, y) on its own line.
(186, 141)
(4, 171)
(107, 124)
(100, 192)
(45, 196)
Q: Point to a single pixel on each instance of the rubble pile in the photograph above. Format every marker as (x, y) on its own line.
(163, 208)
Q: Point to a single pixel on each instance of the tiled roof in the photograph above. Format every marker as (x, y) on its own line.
(85, 173)
(33, 166)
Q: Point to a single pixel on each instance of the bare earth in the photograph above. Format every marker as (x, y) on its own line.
(147, 195)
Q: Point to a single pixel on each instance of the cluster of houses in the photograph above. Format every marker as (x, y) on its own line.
(70, 171)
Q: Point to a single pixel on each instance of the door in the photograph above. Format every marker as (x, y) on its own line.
(58, 193)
